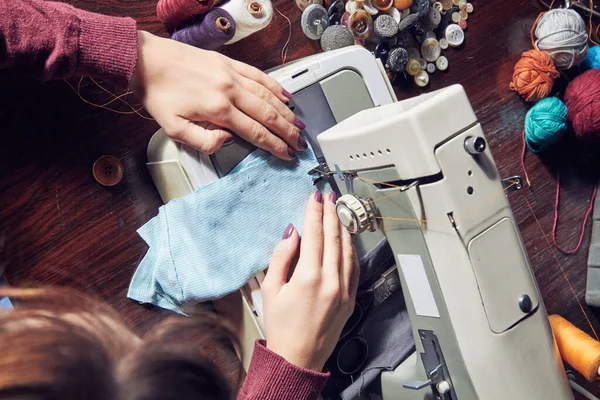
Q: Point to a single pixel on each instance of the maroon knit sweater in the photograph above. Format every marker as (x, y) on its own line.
(49, 40)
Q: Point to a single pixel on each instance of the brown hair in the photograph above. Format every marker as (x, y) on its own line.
(59, 344)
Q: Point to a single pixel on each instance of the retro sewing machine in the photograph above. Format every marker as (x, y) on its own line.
(420, 173)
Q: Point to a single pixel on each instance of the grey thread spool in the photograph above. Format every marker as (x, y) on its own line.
(397, 59)
(336, 37)
(385, 26)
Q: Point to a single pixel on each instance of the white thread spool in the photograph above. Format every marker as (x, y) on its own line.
(561, 33)
(250, 16)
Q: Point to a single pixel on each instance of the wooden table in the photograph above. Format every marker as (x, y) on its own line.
(63, 228)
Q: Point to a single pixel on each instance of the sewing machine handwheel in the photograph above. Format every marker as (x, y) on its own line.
(354, 213)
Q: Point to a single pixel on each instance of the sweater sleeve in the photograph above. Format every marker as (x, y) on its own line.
(51, 40)
(271, 377)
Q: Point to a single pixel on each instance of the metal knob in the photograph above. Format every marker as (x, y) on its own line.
(354, 213)
(475, 145)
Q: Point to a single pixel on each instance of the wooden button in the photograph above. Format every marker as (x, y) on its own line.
(108, 170)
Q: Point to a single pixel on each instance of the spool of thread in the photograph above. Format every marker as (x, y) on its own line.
(385, 26)
(576, 347)
(545, 124)
(336, 37)
(534, 75)
(216, 29)
(582, 99)
(174, 13)
(592, 60)
(561, 33)
(250, 16)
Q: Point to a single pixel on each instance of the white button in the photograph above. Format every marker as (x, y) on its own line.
(441, 63)
(469, 8)
(430, 35)
(430, 49)
(430, 68)
(369, 8)
(422, 79)
(455, 35)
(393, 11)
(462, 4)
(443, 43)
(434, 17)
(351, 6)
(455, 16)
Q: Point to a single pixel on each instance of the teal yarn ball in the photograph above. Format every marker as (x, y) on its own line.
(592, 60)
(545, 124)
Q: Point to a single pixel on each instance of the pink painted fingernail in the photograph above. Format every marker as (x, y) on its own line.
(319, 197)
(288, 231)
(301, 125)
(302, 143)
(333, 197)
(286, 94)
(292, 152)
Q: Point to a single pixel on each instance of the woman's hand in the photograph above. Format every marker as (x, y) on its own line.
(305, 314)
(193, 94)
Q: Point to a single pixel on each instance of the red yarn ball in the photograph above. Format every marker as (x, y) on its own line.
(174, 13)
(582, 99)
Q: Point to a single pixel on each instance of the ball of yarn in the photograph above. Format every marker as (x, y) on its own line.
(174, 13)
(385, 26)
(534, 75)
(336, 37)
(582, 99)
(216, 29)
(561, 33)
(545, 124)
(592, 60)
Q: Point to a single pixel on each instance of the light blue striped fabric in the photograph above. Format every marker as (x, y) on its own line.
(211, 242)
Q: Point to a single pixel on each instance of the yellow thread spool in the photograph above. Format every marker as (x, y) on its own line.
(576, 347)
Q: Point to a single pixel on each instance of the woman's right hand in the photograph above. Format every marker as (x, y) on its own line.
(304, 315)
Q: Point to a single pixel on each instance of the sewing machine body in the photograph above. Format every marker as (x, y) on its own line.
(479, 323)
(462, 282)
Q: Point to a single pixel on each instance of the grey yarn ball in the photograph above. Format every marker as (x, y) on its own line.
(420, 7)
(405, 39)
(385, 26)
(397, 59)
(407, 21)
(336, 37)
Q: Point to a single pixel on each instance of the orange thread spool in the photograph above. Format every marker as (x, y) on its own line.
(534, 75)
(576, 347)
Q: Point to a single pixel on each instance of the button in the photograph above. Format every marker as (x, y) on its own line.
(455, 2)
(456, 17)
(454, 35)
(405, 13)
(434, 17)
(385, 26)
(438, 6)
(382, 5)
(302, 4)
(382, 51)
(368, 7)
(422, 63)
(407, 22)
(469, 8)
(441, 63)
(464, 15)
(108, 170)
(430, 68)
(393, 11)
(336, 37)
(345, 18)
(361, 24)
(334, 19)
(314, 21)
(430, 35)
(420, 7)
(337, 7)
(430, 49)
(446, 4)
(405, 39)
(422, 79)
(402, 4)
(463, 24)
(397, 59)
(351, 6)
(443, 43)
(462, 4)
(413, 52)
(413, 67)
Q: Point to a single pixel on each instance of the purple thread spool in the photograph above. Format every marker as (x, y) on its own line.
(216, 28)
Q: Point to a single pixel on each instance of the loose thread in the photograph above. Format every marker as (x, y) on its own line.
(523, 153)
(561, 269)
(284, 49)
(555, 224)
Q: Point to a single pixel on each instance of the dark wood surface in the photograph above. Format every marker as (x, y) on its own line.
(63, 228)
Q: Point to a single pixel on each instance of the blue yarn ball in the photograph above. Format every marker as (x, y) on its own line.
(592, 60)
(545, 123)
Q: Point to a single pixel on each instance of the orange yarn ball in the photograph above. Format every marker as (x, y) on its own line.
(534, 75)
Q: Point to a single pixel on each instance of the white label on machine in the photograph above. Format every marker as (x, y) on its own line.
(418, 285)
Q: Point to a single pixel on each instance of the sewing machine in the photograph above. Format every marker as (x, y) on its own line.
(419, 172)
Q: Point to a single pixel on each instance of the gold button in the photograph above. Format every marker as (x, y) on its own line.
(413, 67)
(108, 170)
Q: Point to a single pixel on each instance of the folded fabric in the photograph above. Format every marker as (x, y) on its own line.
(211, 242)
